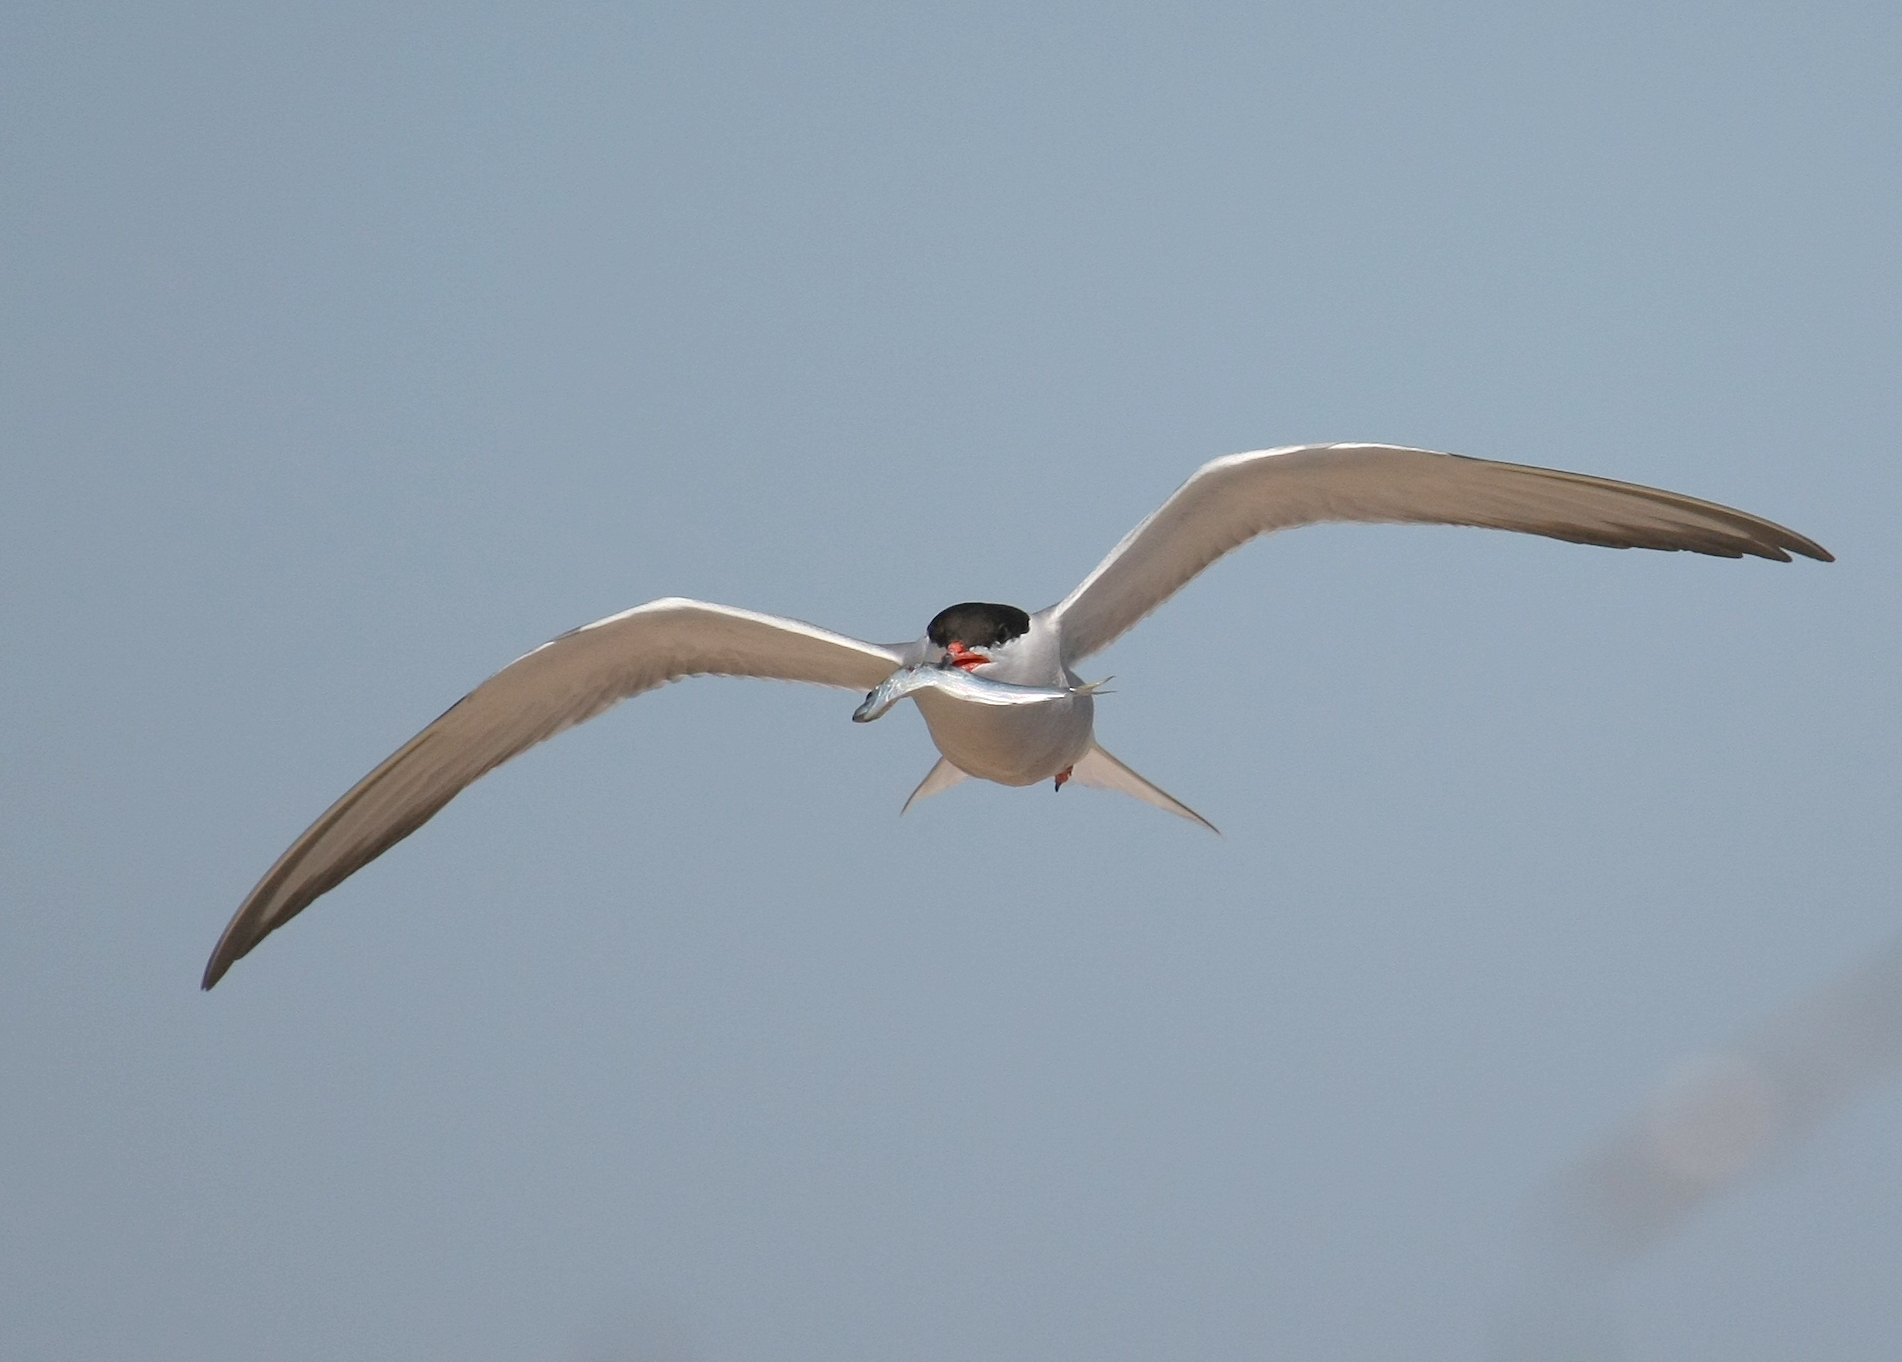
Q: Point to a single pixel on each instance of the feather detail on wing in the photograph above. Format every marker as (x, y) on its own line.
(560, 684)
(1232, 500)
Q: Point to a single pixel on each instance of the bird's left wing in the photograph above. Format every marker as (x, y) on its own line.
(1229, 501)
(560, 684)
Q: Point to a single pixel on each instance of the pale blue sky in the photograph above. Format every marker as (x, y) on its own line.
(351, 350)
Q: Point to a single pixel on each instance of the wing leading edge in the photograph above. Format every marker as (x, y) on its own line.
(1232, 500)
(562, 683)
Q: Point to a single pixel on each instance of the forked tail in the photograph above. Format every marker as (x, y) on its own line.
(940, 777)
(1097, 769)
(1102, 771)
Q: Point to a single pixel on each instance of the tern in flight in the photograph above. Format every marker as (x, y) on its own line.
(1049, 736)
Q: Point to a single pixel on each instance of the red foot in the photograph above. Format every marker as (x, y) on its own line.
(1064, 775)
(963, 657)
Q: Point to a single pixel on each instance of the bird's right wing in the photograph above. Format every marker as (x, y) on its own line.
(1229, 501)
(560, 684)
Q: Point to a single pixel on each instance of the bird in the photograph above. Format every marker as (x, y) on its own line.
(1225, 503)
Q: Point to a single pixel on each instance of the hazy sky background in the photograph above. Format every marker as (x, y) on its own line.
(351, 350)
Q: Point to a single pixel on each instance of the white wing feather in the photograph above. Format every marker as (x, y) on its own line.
(1231, 500)
(560, 684)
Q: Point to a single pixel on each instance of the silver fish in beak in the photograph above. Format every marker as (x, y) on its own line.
(960, 685)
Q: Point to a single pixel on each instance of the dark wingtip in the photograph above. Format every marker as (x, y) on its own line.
(223, 957)
(1789, 540)
(1779, 549)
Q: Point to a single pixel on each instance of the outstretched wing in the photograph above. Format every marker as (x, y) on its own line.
(560, 684)
(1230, 501)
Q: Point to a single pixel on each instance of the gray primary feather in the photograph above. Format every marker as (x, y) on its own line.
(1232, 500)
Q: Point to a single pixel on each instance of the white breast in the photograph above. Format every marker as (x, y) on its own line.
(1010, 744)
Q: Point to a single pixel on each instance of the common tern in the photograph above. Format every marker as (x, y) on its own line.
(1226, 503)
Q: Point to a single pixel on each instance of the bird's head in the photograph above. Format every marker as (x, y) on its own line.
(973, 633)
